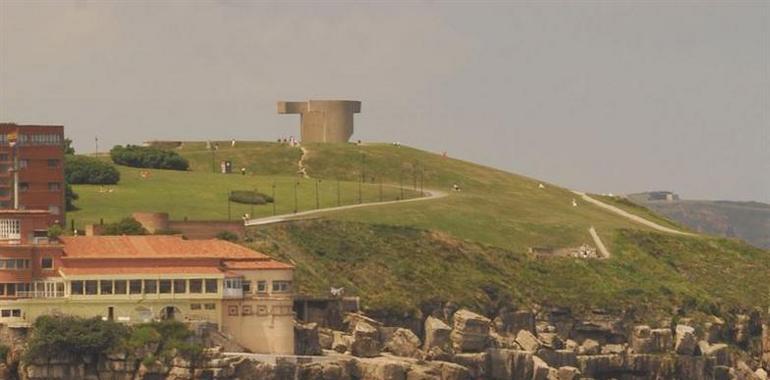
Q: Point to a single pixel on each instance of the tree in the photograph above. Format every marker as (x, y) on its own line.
(148, 157)
(126, 226)
(68, 149)
(70, 196)
(89, 170)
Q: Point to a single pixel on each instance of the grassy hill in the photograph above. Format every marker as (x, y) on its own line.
(470, 247)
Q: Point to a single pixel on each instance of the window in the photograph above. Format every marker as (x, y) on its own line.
(281, 286)
(180, 286)
(164, 286)
(120, 287)
(10, 264)
(210, 306)
(195, 306)
(247, 310)
(10, 289)
(53, 209)
(76, 287)
(54, 186)
(5, 313)
(23, 163)
(135, 286)
(106, 286)
(233, 283)
(10, 229)
(212, 286)
(91, 287)
(261, 286)
(46, 263)
(150, 286)
(23, 187)
(232, 310)
(53, 163)
(4, 157)
(16, 313)
(196, 286)
(22, 263)
(261, 310)
(247, 286)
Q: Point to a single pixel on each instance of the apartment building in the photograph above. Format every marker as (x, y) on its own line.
(34, 154)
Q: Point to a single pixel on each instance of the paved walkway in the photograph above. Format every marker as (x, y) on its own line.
(628, 215)
(429, 194)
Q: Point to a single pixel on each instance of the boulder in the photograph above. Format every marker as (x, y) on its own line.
(471, 331)
(645, 340)
(306, 339)
(540, 369)
(723, 373)
(551, 340)
(609, 349)
(325, 338)
(690, 367)
(511, 321)
(403, 342)
(341, 342)
(568, 373)
(437, 335)
(502, 341)
(366, 343)
(478, 364)
(558, 358)
(382, 368)
(761, 374)
(597, 366)
(718, 352)
(527, 341)
(589, 347)
(508, 364)
(741, 330)
(601, 326)
(714, 330)
(685, 341)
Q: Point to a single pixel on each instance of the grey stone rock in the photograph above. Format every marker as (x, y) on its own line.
(528, 341)
(403, 342)
(686, 341)
(471, 331)
(437, 335)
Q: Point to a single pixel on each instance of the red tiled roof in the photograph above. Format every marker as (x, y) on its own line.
(110, 270)
(261, 264)
(154, 246)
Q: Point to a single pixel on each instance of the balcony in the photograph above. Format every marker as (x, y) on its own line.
(233, 287)
(40, 294)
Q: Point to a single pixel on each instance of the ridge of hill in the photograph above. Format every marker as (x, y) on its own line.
(483, 245)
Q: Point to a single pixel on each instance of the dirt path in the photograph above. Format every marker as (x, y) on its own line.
(301, 169)
(429, 195)
(630, 216)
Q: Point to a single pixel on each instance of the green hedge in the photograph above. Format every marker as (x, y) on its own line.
(148, 157)
(89, 170)
(250, 197)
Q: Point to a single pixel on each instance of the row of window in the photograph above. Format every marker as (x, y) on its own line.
(247, 310)
(110, 287)
(35, 139)
(278, 286)
(24, 162)
(10, 313)
(10, 289)
(14, 264)
(207, 306)
(24, 187)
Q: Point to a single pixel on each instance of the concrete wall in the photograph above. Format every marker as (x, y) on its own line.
(324, 121)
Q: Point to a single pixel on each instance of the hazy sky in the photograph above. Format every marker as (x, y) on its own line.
(599, 96)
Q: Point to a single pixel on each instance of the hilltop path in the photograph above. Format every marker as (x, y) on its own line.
(429, 194)
(628, 215)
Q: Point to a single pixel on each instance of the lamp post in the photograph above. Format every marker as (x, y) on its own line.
(317, 202)
(273, 197)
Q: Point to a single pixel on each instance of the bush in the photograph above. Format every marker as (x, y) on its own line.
(126, 226)
(250, 197)
(64, 335)
(147, 157)
(227, 235)
(55, 231)
(88, 170)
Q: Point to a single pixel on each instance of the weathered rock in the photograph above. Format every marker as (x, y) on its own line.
(558, 358)
(306, 340)
(686, 342)
(540, 369)
(511, 321)
(502, 341)
(366, 342)
(609, 349)
(651, 341)
(527, 341)
(341, 342)
(550, 340)
(510, 364)
(380, 369)
(723, 373)
(568, 373)
(761, 374)
(437, 335)
(598, 365)
(471, 331)
(353, 319)
(601, 326)
(741, 330)
(714, 329)
(325, 338)
(589, 347)
(571, 345)
(403, 342)
(718, 352)
(690, 367)
(478, 364)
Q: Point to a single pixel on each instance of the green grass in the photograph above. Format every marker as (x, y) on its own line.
(470, 247)
(203, 195)
(627, 205)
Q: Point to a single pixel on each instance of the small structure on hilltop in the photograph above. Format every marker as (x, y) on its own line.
(324, 121)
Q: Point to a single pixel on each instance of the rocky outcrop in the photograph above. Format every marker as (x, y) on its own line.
(685, 340)
(366, 340)
(404, 343)
(471, 331)
(306, 339)
(645, 340)
(437, 337)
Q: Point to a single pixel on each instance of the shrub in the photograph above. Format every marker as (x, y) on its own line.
(88, 170)
(250, 197)
(55, 231)
(70, 196)
(64, 335)
(147, 157)
(227, 235)
(126, 226)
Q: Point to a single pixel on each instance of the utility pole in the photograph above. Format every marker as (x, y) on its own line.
(96, 142)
